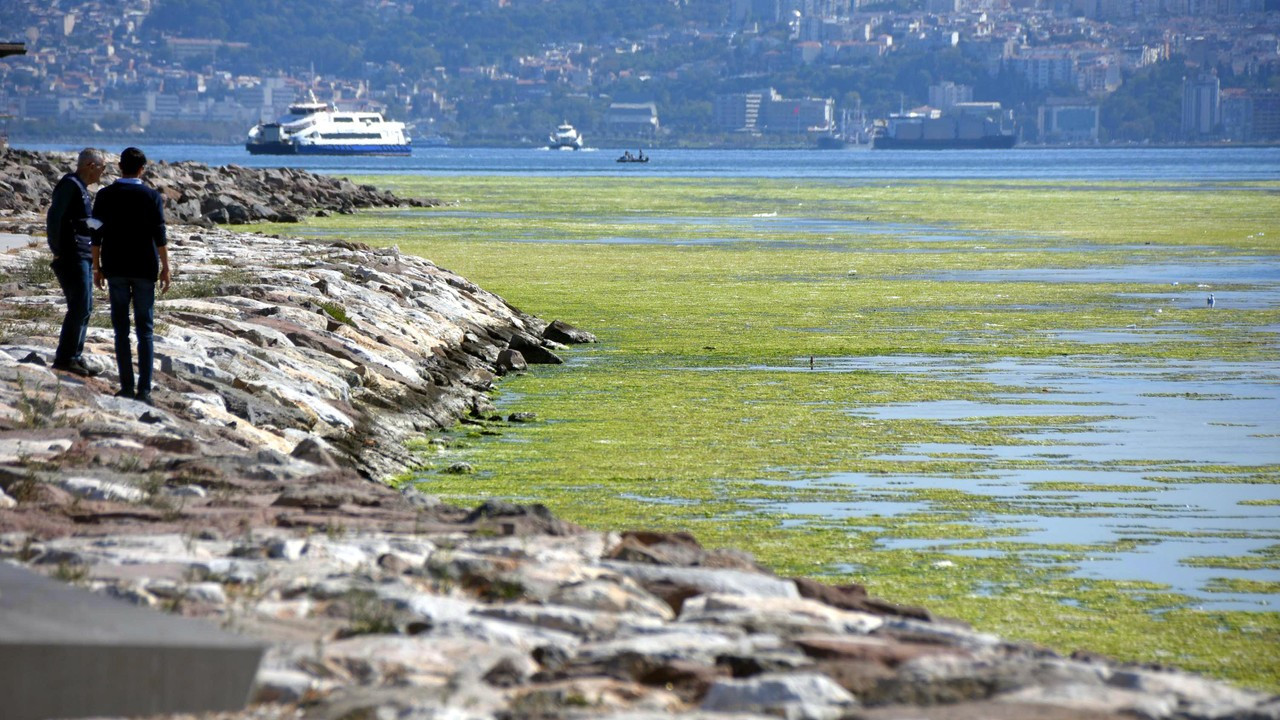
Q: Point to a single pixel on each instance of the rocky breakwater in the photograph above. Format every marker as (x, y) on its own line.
(281, 365)
(198, 194)
(505, 612)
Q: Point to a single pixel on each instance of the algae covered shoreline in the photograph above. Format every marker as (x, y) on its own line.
(998, 370)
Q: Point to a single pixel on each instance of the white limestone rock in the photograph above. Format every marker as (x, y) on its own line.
(585, 624)
(433, 609)
(1196, 696)
(345, 555)
(619, 595)
(499, 633)
(422, 659)
(210, 593)
(17, 450)
(1095, 698)
(283, 686)
(585, 547)
(667, 644)
(796, 615)
(709, 580)
(595, 692)
(943, 632)
(95, 489)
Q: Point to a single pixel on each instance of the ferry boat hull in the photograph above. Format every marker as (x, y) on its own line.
(988, 142)
(270, 148)
(284, 148)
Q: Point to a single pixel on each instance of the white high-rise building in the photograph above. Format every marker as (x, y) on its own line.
(1201, 106)
(946, 95)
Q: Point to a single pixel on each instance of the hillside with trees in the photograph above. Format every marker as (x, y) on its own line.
(506, 71)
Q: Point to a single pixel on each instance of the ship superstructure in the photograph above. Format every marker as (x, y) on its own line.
(967, 126)
(566, 137)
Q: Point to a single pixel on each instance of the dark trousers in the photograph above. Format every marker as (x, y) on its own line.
(76, 279)
(142, 293)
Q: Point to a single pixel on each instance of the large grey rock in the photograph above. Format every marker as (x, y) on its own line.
(68, 653)
(533, 351)
(510, 361)
(423, 657)
(621, 595)
(562, 332)
(582, 623)
(674, 643)
(798, 696)
(1096, 698)
(777, 614)
(708, 580)
(1196, 696)
(20, 449)
(940, 633)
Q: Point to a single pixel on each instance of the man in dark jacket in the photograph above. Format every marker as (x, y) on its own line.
(129, 251)
(68, 231)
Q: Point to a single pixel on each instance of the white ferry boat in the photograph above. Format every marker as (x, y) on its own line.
(565, 138)
(316, 128)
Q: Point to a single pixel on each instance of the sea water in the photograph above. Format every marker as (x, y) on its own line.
(1143, 164)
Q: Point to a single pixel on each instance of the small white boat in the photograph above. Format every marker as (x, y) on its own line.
(433, 140)
(566, 137)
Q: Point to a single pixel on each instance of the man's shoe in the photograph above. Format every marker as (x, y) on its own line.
(144, 398)
(125, 394)
(76, 366)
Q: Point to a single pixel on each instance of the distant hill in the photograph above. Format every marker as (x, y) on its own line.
(507, 71)
(339, 36)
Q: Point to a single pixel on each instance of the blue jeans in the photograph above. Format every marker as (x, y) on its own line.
(76, 279)
(142, 293)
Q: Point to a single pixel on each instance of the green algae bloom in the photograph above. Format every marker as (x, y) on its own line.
(865, 382)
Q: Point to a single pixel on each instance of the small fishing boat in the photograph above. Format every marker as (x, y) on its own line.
(627, 157)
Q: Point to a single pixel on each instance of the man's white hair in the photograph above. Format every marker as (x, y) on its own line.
(91, 155)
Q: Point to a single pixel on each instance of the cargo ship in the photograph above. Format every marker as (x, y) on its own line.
(967, 126)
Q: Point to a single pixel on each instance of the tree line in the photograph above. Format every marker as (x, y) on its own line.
(682, 74)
